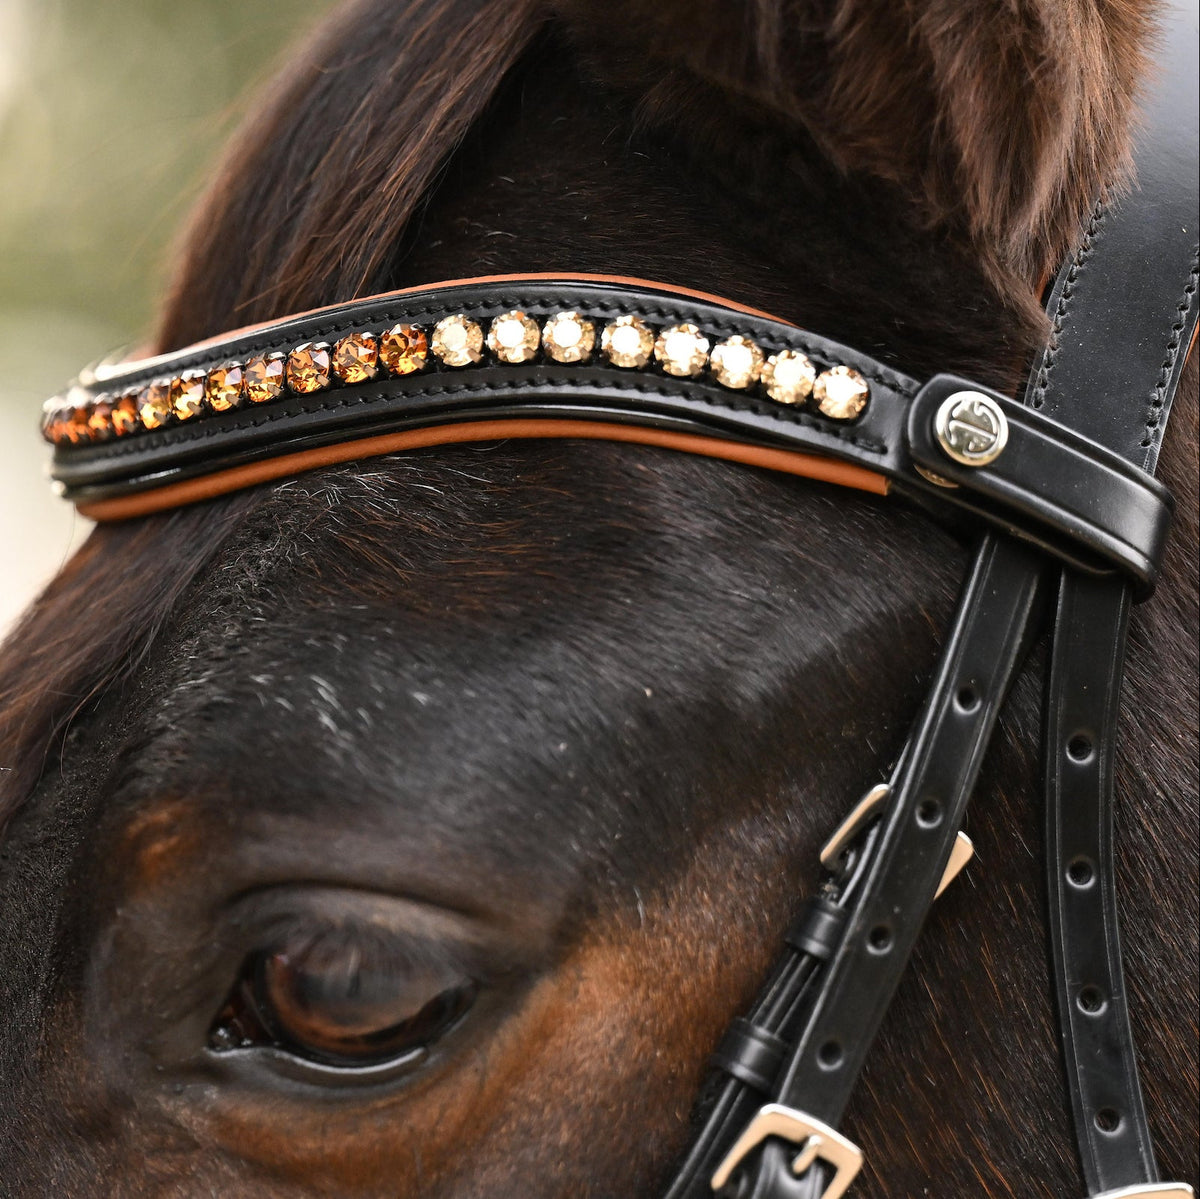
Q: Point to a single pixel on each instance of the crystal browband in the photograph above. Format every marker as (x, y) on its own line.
(628, 342)
(586, 356)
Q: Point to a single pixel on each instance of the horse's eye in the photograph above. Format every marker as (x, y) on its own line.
(342, 1001)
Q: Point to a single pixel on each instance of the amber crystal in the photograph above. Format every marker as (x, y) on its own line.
(223, 389)
(356, 358)
(154, 404)
(736, 362)
(187, 395)
(457, 340)
(100, 425)
(75, 425)
(681, 350)
(125, 414)
(567, 337)
(308, 368)
(262, 377)
(404, 349)
(627, 342)
(841, 392)
(514, 337)
(788, 377)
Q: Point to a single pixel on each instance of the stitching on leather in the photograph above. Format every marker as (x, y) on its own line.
(331, 401)
(1158, 397)
(1090, 236)
(818, 348)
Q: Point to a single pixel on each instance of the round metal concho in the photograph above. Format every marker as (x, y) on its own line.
(971, 428)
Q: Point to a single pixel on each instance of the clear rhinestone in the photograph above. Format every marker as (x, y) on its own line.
(841, 392)
(567, 337)
(788, 377)
(514, 337)
(457, 341)
(627, 342)
(681, 350)
(736, 362)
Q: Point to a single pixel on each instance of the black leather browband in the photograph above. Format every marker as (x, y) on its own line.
(1051, 486)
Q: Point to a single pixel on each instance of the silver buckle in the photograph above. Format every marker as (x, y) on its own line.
(1151, 1190)
(816, 1140)
(863, 811)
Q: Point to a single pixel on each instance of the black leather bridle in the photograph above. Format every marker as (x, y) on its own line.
(1059, 483)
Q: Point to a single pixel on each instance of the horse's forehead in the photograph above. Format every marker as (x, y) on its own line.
(474, 654)
(460, 724)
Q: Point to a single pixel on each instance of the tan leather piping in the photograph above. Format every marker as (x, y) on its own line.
(236, 478)
(105, 370)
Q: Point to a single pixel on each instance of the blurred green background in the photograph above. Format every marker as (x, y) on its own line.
(111, 114)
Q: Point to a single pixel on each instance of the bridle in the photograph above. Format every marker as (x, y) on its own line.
(1058, 484)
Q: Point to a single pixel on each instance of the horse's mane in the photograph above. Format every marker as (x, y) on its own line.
(1001, 128)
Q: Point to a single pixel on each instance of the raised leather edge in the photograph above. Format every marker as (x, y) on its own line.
(193, 491)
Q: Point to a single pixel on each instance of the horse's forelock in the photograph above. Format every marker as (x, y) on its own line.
(1002, 121)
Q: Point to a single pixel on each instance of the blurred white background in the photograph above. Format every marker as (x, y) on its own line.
(110, 115)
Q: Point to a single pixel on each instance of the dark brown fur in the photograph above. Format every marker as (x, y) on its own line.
(727, 657)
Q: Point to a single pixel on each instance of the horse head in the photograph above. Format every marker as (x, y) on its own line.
(417, 825)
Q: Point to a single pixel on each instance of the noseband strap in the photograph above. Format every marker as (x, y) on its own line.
(1056, 492)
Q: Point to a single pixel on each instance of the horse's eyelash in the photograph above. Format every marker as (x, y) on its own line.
(397, 950)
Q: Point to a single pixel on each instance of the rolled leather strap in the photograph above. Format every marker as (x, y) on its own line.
(751, 1054)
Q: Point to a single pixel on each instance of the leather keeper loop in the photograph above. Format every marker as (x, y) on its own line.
(751, 1054)
(818, 929)
(1073, 491)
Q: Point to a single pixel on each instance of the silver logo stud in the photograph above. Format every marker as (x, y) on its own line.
(971, 428)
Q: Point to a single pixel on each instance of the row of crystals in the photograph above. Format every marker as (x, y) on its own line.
(788, 377)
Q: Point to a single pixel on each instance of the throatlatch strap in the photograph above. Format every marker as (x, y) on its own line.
(1117, 367)
(1082, 703)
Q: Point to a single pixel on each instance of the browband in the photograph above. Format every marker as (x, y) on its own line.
(583, 356)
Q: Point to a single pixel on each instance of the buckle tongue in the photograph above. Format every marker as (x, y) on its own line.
(816, 1141)
(862, 813)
